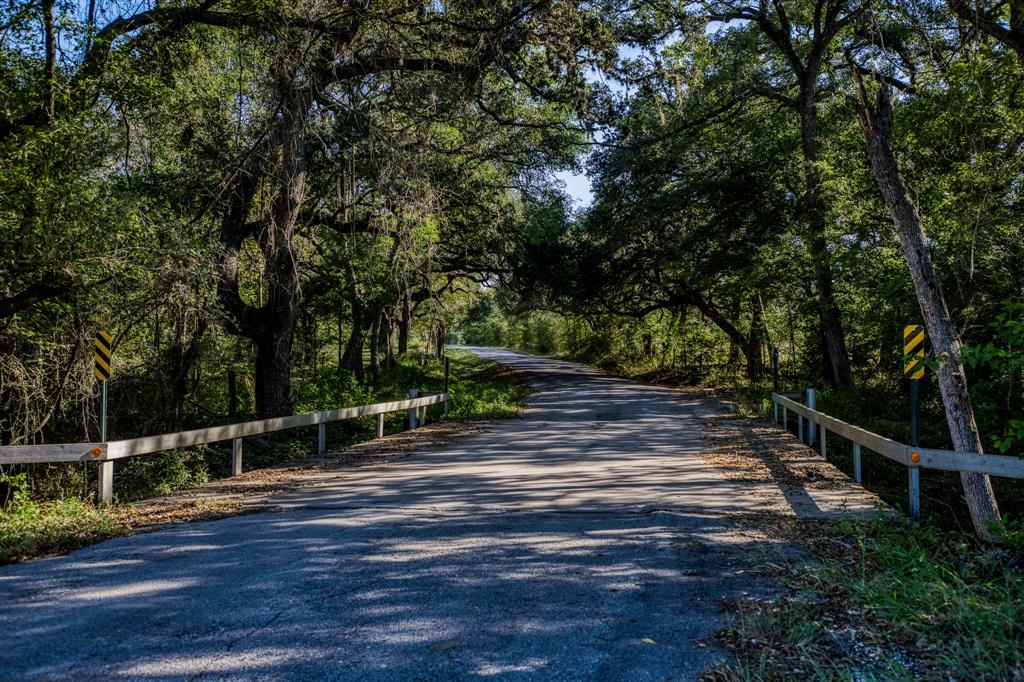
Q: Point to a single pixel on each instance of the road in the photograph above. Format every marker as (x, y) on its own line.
(585, 540)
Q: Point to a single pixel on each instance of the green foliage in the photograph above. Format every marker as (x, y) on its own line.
(165, 472)
(30, 529)
(489, 324)
(968, 604)
(147, 187)
(1011, 534)
(334, 388)
(480, 389)
(998, 363)
(483, 389)
(925, 603)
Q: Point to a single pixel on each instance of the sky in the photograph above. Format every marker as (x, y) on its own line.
(577, 185)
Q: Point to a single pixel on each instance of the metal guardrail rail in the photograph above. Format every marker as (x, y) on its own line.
(914, 458)
(105, 453)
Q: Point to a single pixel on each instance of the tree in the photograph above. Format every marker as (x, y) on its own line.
(876, 121)
(804, 37)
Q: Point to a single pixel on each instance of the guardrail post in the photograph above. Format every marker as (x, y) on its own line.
(106, 482)
(785, 418)
(856, 462)
(775, 411)
(321, 438)
(810, 422)
(413, 393)
(914, 476)
(800, 427)
(236, 457)
(824, 437)
(380, 425)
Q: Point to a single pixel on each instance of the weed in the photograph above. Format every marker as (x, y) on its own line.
(884, 600)
(32, 529)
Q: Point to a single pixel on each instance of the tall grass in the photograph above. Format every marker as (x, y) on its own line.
(885, 600)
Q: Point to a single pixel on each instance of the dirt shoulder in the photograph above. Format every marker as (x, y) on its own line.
(769, 459)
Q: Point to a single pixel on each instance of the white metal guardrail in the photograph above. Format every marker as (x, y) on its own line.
(104, 454)
(914, 458)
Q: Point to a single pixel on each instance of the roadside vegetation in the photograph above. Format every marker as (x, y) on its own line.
(883, 600)
(271, 207)
(30, 529)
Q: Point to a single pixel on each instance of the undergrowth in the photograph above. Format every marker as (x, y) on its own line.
(883, 600)
(30, 529)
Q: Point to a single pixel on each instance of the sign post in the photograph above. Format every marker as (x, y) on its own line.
(101, 369)
(913, 368)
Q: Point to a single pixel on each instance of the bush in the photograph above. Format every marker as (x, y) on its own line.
(31, 529)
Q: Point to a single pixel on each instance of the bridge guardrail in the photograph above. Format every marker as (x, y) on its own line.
(914, 458)
(105, 453)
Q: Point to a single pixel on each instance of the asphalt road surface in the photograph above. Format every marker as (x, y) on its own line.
(585, 540)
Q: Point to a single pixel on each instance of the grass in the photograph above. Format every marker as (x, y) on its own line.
(484, 389)
(30, 529)
(883, 600)
(480, 389)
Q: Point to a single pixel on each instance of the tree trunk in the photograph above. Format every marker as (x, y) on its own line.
(271, 326)
(312, 349)
(341, 343)
(375, 345)
(50, 67)
(273, 374)
(734, 345)
(838, 371)
(353, 357)
(876, 123)
(158, 354)
(183, 356)
(274, 345)
(442, 336)
(755, 341)
(389, 341)
(736, 337)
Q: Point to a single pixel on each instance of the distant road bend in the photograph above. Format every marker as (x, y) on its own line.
(586, 540)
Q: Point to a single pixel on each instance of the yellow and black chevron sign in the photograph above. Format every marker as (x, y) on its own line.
(102, 369)
(913, 351)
